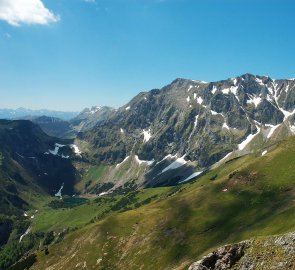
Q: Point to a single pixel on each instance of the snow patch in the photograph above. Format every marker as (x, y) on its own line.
(234, 89)
(76, 149)
(268, 97)
(214, 89)
(272, 130)
(57, 146)
(225, 91)
(176, 164)
(58, 194)
(203, 82)
(188, 99)
(94, 110)
(214, 113)
(249, 138)
(190, 177)
(169, 156)
(255, 100)
(225, 125)
(119, 164)
(190, 87)
(148, 162)
(26, 233)
(196, 121)
(105, 193)
(127, 108)
(263, 153)
(287, 113)
(275, 94)
(200, 100)
(259, 81)
(195, 125)
(122, 130)
(225, 157)
(146, 135)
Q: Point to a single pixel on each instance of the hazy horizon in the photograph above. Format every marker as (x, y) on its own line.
(121, 105)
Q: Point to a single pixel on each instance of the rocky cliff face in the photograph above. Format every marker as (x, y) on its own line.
(274, 252)
(194, 124)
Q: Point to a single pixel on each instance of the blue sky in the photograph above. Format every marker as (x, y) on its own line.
(84, 53)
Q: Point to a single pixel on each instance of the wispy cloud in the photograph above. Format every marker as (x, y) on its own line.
(90, 1)
(18, 12)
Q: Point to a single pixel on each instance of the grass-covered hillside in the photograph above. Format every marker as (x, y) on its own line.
(246, 197)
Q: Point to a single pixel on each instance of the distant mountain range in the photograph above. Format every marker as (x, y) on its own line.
(58, 123)
(22, 113)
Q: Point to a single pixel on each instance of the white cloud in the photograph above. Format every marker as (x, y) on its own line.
(90, 1)
(17, 12)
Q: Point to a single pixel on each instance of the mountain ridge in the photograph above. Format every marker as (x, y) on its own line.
(203, 122)
(24, 113)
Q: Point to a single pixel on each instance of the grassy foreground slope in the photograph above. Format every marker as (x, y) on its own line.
(246, 197)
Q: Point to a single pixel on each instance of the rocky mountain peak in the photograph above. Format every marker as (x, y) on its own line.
(199, 121)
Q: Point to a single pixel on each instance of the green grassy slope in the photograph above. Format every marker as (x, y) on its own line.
(59, 217)
(246, 197)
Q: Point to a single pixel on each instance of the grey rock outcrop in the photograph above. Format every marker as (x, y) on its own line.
(264, 253)
(221, 259)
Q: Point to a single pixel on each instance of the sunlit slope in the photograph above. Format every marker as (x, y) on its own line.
(246, 197)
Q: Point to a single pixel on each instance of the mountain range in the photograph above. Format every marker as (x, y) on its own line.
(22, 113)
(186, 127)
(171, 135)
(171, 175)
